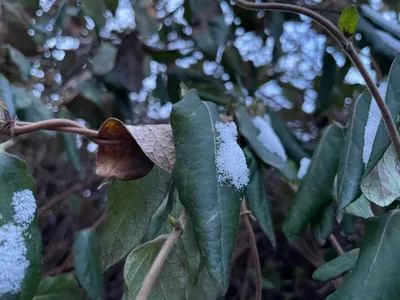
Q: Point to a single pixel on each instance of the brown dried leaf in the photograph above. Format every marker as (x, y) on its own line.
(157, 143)
(124, 160)
(135, 151)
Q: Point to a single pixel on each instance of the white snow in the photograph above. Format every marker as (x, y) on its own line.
(13, 250)
(304, 164)
(24, 207)
(13, 262)
(230, 159)
(268, 137)
(371, 128)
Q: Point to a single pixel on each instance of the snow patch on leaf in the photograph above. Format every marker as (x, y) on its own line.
(230, 159)
(304, 164)
(268, 137)
(13, 250)
(371, 128)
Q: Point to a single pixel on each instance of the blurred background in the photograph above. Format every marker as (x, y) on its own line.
(90, 60)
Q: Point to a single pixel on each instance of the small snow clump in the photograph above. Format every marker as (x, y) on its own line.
(371, 128)
(230, 159)
(13, 250)
(304, 164)
(268, 137)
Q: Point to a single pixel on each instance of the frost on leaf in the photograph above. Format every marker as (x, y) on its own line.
(304, 164)
(268, 137)
(374, 118)
(230, 159)
(13, 250)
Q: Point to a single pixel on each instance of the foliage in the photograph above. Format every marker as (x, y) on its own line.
(196, 110)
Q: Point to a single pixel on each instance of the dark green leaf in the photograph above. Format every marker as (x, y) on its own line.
(375, 275)
(160, 216)
(322, 225)
(215, 36)
(146, 18)
(87, 263)
(382, 139)
(205, 289)
(96, 10)
(382, 184)
(171, 280)
(112, 5)
(24, 66)
(104, 59)
(94, 93)
(275, 25)
(20, 238)
(288, 139)
(327, 82)
(30, 108)
(213, 206)
(360, 208)
(131, 205)
(257, 201)
(6, 95)
(315, 188)
(72, 150)
(61, 287)
(336, 267)
(351, 165)
(250, 132)
(348, 20)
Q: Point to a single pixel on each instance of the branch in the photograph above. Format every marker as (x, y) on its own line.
(335, 244)
(254, 250)
(161, 257)
(347, 48)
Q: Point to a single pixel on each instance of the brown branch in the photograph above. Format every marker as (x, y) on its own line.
(161, 257)
(254, 250)
(347, 48)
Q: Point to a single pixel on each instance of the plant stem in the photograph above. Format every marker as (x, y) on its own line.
(347, 47)
(161, 257)
(335, 244)
(254, 250)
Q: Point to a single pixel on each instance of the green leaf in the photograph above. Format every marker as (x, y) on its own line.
(322, 226)
(112, 5)
(315, 188)
(213, 207)
(288, 139)
(351, 165)
(160, 216)
(171, 280)
(348, 21)
(61, 287)
(87, 263)
(104, 59)
(20, 237)
(213, 37)
(327, 82)
(30, 108)
(24, 66)
(72, 150)
(94, 93)
(257, 201)
(382, 184)
(96, 10)
(375, 275)
(146, 18)
(382, 139)
(360, 208)
(6, 95)
(205, 289)
(337, 266)
(250, 132)
(131, 205)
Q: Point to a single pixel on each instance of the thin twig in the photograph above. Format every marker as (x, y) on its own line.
(254, 251)
(161, 257)
(335, 244)
(347, 48)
